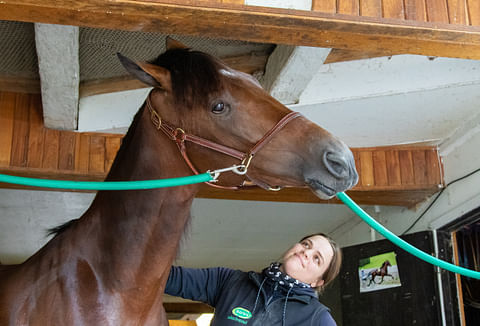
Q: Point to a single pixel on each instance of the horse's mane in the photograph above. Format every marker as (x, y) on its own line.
(59, 229)
(194, 75)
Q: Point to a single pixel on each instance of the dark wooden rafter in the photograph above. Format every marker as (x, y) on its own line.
(398, 175)
(430, 33)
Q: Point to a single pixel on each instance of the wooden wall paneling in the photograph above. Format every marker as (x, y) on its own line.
(393, 168)
(457, 12)
(380, 168)
(437, 11)
(36, 134)
(112, 144)
(366, 169)
(419, 167)
(415, 10)
(327, 6)
(406, 167)
(20, 130)
(474, 12)
(358, 166)
(348, 7)
(393, 9)
(66, 159)
(370, 8)
(82, 153)
(50, 150)
(434, 172)
(235, 2)
(97, 154)
(7, 111)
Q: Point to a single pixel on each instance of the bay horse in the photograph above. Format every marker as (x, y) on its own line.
(110, 266)
(381, 272)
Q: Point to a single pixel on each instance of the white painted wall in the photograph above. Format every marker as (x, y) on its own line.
(458, 199)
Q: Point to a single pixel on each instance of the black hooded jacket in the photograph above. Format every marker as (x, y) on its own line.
(241, 298)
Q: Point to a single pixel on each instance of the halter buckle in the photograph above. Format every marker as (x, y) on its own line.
(179, 134)
(156, 119)
(243, 167)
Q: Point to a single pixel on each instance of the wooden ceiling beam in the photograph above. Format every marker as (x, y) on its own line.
(257, 24)
(394, 175)
(248, 63)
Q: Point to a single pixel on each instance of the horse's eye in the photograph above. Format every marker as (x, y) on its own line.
(218, 107)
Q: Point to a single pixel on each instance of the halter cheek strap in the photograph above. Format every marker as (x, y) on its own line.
(179, 136)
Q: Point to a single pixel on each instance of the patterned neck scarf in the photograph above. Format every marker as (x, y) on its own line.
(274, 273)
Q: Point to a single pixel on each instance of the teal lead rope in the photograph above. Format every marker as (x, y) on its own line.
(212, 176)
(401, 243)
(107, 185)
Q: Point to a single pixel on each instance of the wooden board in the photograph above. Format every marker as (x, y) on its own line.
(345, 29)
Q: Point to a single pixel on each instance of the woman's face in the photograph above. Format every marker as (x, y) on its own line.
(307, 261)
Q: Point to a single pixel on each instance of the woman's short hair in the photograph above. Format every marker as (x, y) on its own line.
(335, 264)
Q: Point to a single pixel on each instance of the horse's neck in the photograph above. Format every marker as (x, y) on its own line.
(138, 231)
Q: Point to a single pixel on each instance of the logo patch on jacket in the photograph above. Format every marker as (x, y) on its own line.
(240, 315)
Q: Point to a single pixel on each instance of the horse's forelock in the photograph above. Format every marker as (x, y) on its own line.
(194, 75)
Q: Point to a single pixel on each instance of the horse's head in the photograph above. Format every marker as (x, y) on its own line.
(205, 98)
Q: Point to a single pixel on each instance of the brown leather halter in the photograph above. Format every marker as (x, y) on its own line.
(180, 136)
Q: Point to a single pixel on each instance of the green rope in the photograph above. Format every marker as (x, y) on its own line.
(106, 185)
(205, 177)
(401, 243)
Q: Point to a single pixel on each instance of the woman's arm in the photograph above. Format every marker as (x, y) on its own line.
(197, 284)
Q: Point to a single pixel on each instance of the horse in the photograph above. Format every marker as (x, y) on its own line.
(110, 266)
(382, 272)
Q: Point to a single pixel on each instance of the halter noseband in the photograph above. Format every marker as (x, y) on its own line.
(179, 136)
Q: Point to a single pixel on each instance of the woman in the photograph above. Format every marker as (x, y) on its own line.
(283, 294)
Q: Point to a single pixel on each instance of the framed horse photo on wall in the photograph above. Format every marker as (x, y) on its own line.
(378, 272)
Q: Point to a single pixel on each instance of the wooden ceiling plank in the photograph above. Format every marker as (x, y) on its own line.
(457, 12)
(406, 167)
(393, 168)
(366, 169)
(7, 112)
(18, 84)
(474, 12)
(419, 166)
(348, 7)
(20, 130)
(66, 157)
(50, 150)
(393, 9)
(96, 163)
(82, 153)
(437, 11)
(415, 10)
(380, 168)
(36, 134)
(327, 6)
(269, 25)
(371, 8)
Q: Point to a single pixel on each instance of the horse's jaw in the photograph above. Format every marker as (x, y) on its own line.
(321, 190)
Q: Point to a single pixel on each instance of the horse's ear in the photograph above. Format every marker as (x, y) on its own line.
(147, 73)
(172, 44)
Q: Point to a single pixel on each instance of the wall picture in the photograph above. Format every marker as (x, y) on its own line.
(378, 272)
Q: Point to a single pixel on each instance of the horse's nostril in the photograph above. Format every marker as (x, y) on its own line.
(335, 164)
